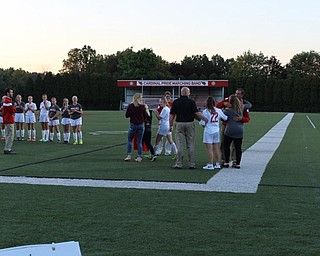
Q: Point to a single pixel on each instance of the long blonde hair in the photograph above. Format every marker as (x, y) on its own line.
(236, 104)
(136, 98)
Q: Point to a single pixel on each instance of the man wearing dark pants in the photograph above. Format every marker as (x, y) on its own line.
(8, 110)
(183, 111)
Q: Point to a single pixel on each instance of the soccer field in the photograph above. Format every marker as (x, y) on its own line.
(280, 219)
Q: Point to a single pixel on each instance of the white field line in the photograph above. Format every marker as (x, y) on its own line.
(253, 164)
(245, 180)
(312, 124)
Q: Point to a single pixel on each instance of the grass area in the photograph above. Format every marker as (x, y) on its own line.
(280, 219)
(101, 156)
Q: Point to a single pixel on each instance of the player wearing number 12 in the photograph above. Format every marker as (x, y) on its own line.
(211, 135)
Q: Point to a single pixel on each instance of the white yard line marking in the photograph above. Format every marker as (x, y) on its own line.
(314, 127)
(253, 164)
(245, 180)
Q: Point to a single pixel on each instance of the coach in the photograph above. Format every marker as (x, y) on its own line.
(183, 111)
(8, 111)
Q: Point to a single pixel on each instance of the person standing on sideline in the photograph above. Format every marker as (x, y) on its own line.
(54, 112)
(164, 126)
(211, 134)
(44, 119)
(233, 130)
(30, 109)
(1, 122)
(75, 110)
(8, 111)
(65, 121)
(136, 111)
(183, 111)
(19, 117)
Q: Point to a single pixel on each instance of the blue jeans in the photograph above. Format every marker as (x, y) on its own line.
(138, 130)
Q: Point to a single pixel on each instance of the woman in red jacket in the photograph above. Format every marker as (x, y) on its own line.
(8, 110)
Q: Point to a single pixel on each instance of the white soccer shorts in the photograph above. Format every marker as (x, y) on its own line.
(44, 119)
(19, 118)
(75, 122)
(211, 138)
(30, 119)
(54, 122)
(65, 121)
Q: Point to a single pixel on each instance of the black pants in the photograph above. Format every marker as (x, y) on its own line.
(237, 144)
(147, 140)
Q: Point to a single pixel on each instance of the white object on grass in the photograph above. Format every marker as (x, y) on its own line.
(71, 248)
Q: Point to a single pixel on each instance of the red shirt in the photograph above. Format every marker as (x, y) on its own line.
(8, 110)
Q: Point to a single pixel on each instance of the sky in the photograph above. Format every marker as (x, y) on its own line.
(36, 35)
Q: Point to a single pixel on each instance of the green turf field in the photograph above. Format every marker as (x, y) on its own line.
(281, 219)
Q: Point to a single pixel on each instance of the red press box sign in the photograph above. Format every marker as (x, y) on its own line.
(171, 83)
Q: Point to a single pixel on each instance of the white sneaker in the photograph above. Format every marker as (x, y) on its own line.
(208, 167)
(217, 166)
(138, 159)
(128, 158)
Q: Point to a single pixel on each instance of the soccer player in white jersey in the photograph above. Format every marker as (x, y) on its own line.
(53, 115)
(19, 117)
(30, 109)
(65, 121)
(164, 127)
(75, 110)
(44, 118)
(211, 134)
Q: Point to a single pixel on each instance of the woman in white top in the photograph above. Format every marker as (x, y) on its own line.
(44, 119)
(164, 126)
(211, 134)
(30, 109)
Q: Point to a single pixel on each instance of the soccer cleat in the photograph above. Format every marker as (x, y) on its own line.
(75, 143)
(208, 167)
(29, 139)
(167, 154)
(153, 158)
(42, 140)
(80, 142)
(33, 140)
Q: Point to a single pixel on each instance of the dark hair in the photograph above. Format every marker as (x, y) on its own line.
(210, 103)
(7, 90)
(241, 90)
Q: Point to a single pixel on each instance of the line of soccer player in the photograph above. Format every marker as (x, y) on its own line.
(48, 116)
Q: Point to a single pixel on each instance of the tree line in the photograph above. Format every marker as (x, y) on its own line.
(269, 85)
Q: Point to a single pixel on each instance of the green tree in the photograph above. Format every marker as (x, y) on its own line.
(304, 64)
(250, 65)
(144, 64)
(275, 69)
(79, 60)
